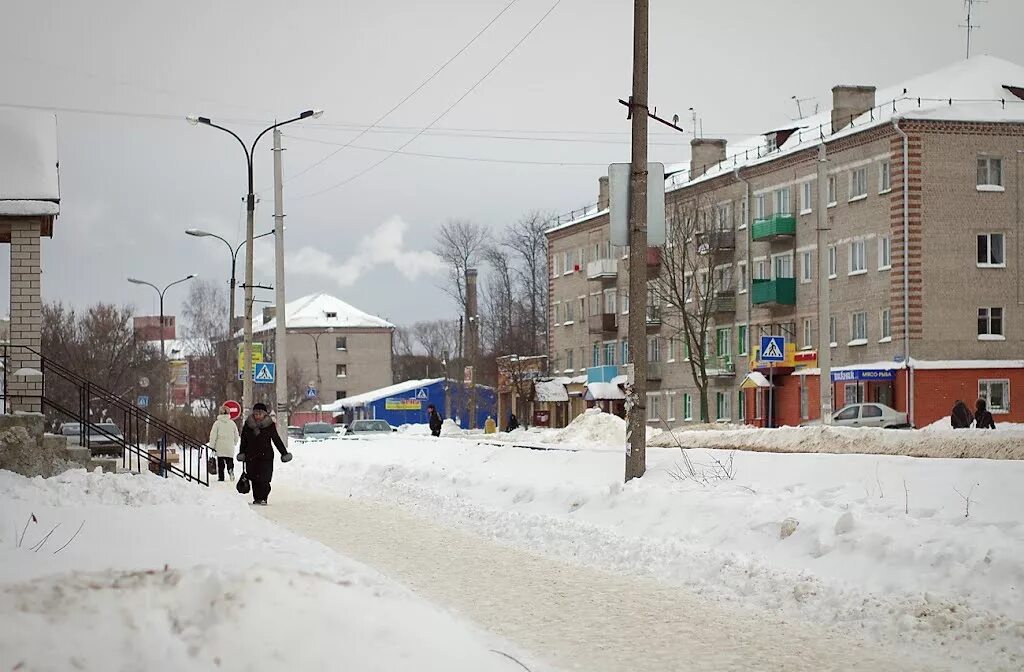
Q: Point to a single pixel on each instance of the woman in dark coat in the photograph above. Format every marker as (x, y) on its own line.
(258, 433)
(434, 420)
(983, 417)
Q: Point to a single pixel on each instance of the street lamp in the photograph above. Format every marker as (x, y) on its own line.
(250, 210)
(161, 292)
(316, 351)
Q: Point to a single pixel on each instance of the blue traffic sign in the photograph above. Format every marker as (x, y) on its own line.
(142, 401)
(264, 372)
(311, 392)
(773, 349)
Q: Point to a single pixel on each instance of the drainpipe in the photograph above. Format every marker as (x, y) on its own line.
(906, 269)
(750, 268)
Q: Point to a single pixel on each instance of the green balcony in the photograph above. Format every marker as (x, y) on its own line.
(776, 226)
(779, 292)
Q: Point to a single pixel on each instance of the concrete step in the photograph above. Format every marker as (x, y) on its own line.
(109, 465)
(78, 455)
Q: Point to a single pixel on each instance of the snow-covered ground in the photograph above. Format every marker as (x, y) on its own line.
(122, 572)
(879, 545)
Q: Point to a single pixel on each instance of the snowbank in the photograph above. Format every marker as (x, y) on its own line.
(116, 572)
(591, 430)
(451, 428)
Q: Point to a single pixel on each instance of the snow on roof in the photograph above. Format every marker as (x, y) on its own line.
(944, 364)
(28, 208)
(755, 379)
(590, 212)
(550, 390)
(376, 395)
(28, 156)
(322, 311)
(178, 349)
(604, 391)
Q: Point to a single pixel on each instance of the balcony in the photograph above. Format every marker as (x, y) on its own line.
(722, 367)
(653, 316)
(603, 269)
(774, 227)
(603, 323)
(716, 242)
(778, 292)
(654, 371)
(724, 302)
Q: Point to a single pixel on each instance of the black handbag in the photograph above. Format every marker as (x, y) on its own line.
(243, 486)
(211, 465)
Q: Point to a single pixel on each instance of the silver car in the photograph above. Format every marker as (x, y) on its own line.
(364, 427)
(866, 415)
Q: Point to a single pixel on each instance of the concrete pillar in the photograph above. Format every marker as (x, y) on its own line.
(26, 317)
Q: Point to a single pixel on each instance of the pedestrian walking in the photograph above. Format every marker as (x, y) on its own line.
(258, 433)
(960, 417)
(513, 423)
(434, 421)
(983, 417)
(223, 439)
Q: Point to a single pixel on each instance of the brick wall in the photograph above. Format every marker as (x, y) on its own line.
(26, 314)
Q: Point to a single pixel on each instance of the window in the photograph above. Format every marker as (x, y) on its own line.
(806, 198)
(745, 214)
(991, 251)
(595, 304)
(805, 267)
(556, 312)
(595, 355)
(990, 173)
(340, 394)
(554, 265)
(886, 325)
(723, 279)
(609, 353)
(759, 207)
(833, 331)
(624, 302)
(653, 407)
(671, 344)
(341, 370)
(569, 313)
(762, 270)
(870, 411)
(341, 343)
(858, 257)
(808, 332)
(567, 262)
(990, 323)
(741, 405)
(331, 314)
(859, 328)
(670, 405)
(569, 359)
(742, 289)
(884, 253)
(783, 266)
(625, 352)
(858, 183)
(583, 309)
(725, 217)
(722, 406)
(996, 394)
(687, 407)
(688, 288)
(832, 190)
(609, 301)
(723, 342)
(853, 393)
(833, 261)
(782, 201)
(884, 177)
(849, 413)
(741, 339)
(653, 349)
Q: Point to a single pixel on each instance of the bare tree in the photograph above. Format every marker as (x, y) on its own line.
(460, 244)
(210, 351)
(518, 375)
(693, 288)
(499, 301)
(528, 244)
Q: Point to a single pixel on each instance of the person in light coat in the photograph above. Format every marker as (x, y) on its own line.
(223, 439)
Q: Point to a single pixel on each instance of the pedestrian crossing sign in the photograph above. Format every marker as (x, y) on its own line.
(264, 372)
(773, 349)
(421, 393)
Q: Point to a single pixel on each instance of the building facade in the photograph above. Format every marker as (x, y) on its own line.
(921, 244)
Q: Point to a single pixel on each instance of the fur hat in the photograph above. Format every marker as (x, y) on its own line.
(259, 407)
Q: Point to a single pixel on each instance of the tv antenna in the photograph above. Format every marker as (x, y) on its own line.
(970, 26)
(799, 107)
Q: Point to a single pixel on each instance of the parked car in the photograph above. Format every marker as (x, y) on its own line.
(104, 436)
(317, 431)
(364, 427)
(294, 432)
(866, 415)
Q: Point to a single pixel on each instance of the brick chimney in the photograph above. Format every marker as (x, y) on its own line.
(849, 102)
(705, 153)
(602, 192)
(472, 316)
(269, 313)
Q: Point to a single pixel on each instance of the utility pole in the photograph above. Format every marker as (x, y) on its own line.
(824, 298)
(636, 429)
(280, 333)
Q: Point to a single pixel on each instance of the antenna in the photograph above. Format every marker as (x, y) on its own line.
(970, 26)
(799, 108)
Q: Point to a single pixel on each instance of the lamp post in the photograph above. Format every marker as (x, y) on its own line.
(160, 293)
(250, 211)
(316, 352)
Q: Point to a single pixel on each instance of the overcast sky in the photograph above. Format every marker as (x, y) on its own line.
(130, 185)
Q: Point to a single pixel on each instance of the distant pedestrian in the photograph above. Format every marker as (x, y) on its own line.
(983, 417)
(434, 421)
(223, 439)
(960, 417)
(258, 432)
(513, 423)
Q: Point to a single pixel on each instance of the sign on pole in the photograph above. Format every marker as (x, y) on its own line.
(618, 203)
(467, 376)
(311, 392)
(234, 409)
(257, 355)
(773, 349)
(142, 401)
(264, 372)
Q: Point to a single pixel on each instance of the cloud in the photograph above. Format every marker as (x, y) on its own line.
(383, 247)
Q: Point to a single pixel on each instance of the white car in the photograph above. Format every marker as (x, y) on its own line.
(866, 415)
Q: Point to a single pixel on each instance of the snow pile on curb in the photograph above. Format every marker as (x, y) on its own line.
(451, 428)
(1002, 444)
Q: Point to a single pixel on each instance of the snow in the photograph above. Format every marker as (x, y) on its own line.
(550, 390)
(28, 208)
(311, 312)
(880, 545)
(366, 398)
(28, 157)
(604, 391)
(169, 575)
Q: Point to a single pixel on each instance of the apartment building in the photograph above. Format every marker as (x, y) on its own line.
(922, 245)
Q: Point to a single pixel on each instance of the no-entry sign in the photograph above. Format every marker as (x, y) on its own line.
(234, 409)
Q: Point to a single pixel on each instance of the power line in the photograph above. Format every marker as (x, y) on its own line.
(446, 111)
(520, 138)
(411, 94)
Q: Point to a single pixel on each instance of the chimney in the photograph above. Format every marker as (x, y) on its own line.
(602, 192)
(472, 317)
(268, 313)
(848, 103)
(705, 153)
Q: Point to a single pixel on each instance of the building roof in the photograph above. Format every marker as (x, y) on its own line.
(28, 163)
(376, 395)
(322, 311)
(550, 390)
(604, 392)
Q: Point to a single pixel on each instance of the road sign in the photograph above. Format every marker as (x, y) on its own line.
(264, 372)
(773, 349)
(234, 409)
(143, 382)
(421, 393)
(311, 392)
(467, 375)
(142, 401)
(257, 355)
(619, 198)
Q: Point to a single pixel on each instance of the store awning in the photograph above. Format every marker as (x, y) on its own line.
(604, 392)
(754, 380)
